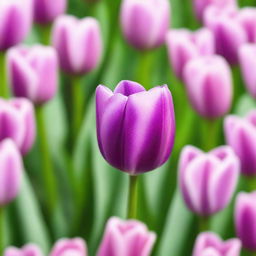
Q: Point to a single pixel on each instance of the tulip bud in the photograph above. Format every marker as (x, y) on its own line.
(17, 122)
(135, 127)
(16, 21)
(240, 134)
(209, 85)
(46, 11)
(33, 72)
(145, 23)
(210, 244)
(75, 246)
(228, 32)
(208, 180)
(126, 238)
(78, 43)
(28, 250)
(184, 45)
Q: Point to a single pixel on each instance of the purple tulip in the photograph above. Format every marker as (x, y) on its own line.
(11, 168)
(184, 45)
(205, 78)
(145, 23)
(46, 11)
(210, 244)
(208, 180)
(78, 43)
(228, 31)
(69, 247)
(28, 250)
(240, 134)
(126, 238)
(17, 122)
(135, 127)
(16, 20)
(247, 59)
(33, 72)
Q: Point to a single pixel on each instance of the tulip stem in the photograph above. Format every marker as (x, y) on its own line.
(1, 230)
(45, 33)
(209, 136)
(204, 223)
(132, 197)
(4, 90)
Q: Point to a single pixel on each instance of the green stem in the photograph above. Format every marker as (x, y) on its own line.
(4, 89)
(45, 33)
(1, 231)
(204, 223)
(133, 197)
(251, 183)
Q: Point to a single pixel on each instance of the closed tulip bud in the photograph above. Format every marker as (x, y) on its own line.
(16, 21)
(184, 45)
(210, 244)
(145, 23)
(33, 72)
(208, 180)
(126, 238)
(17, 122)
(75, 246)
(209, 85)
(135, 127)
(46, 11)
(78, 43)
(247, 59)
(228, 32)
(28, 250)
(11, 169)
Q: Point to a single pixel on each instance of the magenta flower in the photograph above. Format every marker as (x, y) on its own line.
(126, 238)
(184, 45)
(16, 20)
(135, 127)
(46, 11)
(28, 250)
(68, 247)
(204, 78)
(208, 180)
(210, 244)
(145, 23)
(33, 72)
(17, 122)
(78, 43)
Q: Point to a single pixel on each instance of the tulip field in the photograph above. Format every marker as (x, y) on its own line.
(127, 127)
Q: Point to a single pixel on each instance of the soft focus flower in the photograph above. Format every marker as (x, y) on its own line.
(209, 85)
(245, 219)
(78, 43)
(184, 45)
(210, 244)
(69, 247)
(47, 11)
(11, 168)
(135, 127)
(145, 23)
(208, 180)
(126, 238)
(17, 122)
(27, 250)
(33, 72)
(240, 134)
(247, 59)
(16, 20)
(228, 32)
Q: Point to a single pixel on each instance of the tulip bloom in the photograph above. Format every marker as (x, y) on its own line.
(145, 23)
(16, 21)
(208, 180)
(247, 59)
(46, 11)
(28, 250)
(184, 45)
(17, 122)
(209, 86)
(33, 72)
(126, 238)
(75, 246)
(210, 244)
(135, 127)
(78, 43)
